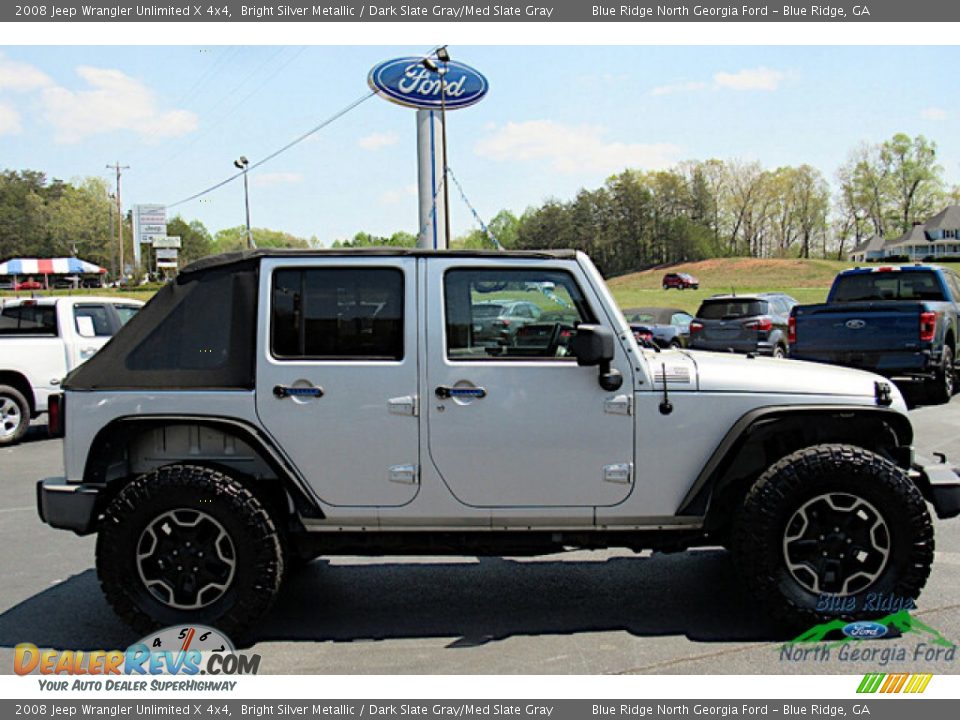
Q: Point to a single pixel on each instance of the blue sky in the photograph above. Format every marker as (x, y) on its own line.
(556, 119)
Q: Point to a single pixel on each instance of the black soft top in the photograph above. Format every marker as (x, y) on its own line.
(246, 256)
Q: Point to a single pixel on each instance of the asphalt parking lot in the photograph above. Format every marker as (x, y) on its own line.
(582, 613)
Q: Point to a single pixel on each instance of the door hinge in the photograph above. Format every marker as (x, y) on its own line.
(406, 474)
(619, 405)
(406, 405)
(618, 473)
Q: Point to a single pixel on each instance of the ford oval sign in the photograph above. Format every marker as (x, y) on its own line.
(856, 324)
(407, 82)
(864, 630)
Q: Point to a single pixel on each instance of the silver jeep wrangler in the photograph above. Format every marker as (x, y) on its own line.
(270, 407)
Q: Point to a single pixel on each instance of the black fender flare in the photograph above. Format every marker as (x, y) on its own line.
(121, 429)
(790, 428)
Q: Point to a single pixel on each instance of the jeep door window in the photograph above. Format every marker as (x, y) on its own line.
(511, 314)
(337, 314)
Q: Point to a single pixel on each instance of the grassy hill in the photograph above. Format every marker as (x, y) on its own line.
(806, 280)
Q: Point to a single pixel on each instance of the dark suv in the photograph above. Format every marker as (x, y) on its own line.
(743, 323)
(680, 281)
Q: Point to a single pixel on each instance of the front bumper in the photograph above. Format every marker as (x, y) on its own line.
(67, 506)
(940, 485)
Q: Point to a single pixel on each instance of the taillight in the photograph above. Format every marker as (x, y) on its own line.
(764, 324)
(696, 326)
(55, 425)
(792, 330)
(928, 326)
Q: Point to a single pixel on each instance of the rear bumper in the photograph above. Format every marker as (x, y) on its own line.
(67, 506)
(940, 485)
(761, 347)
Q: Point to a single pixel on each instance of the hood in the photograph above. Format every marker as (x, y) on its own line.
(721, 372)
(727, 372)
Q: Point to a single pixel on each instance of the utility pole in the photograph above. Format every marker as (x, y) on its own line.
(119, 170)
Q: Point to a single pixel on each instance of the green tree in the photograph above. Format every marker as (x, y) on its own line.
(235, 238)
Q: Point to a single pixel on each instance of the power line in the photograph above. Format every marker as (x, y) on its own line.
(336, 116)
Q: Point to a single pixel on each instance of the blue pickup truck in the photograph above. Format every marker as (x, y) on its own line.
(896, 321)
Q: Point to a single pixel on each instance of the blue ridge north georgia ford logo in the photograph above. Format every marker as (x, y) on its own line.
(406, 81)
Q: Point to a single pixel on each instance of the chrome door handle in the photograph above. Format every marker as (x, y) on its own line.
(284, 391)
(444, 391)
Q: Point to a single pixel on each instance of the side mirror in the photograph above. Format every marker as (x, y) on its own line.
(594, 345)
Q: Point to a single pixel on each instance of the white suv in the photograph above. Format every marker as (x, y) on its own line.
(270, 407)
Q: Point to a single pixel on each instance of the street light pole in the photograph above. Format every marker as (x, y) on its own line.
(242, 164)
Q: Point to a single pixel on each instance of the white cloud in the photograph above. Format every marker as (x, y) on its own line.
(678, 88)
(115, 101)
(376, 140)
(21, 76)
(9, 121)
(933, 113)
(275, 178)
(392, 197)
(570, 149)
(760, 78)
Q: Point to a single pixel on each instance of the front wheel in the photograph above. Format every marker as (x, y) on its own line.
(188, 544)
(828, 528)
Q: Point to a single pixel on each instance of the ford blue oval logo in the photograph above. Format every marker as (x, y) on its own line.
(407, 82)
(864, 629)
(856, 324)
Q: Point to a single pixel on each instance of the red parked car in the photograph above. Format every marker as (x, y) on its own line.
(29, 284)
(680, 281)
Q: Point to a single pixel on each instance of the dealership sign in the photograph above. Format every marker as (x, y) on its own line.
(407, 82)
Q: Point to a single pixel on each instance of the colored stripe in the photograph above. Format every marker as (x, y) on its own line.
(888, 683)
(45, 266)
(867, 679)
(914, 682)
(900, 683)
(926, 681)
(875, 685)
(186, 641)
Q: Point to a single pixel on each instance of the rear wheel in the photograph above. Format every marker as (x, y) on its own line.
(188, 544)
(943, 384)
(779, 352)
(14, 415)
(828, 527)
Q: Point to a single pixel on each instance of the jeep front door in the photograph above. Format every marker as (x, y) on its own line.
(337, 374)
(513, 420)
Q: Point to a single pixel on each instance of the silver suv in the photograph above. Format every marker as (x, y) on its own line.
(270, 407)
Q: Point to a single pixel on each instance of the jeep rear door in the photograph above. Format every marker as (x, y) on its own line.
(514, 422)
(337, 374)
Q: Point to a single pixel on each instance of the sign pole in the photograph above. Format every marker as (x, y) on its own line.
(433, 210)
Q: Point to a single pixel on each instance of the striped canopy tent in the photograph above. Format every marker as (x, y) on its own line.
(49, 266)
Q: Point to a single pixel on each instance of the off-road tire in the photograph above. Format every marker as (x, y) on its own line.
(19, 419)
(257, 545)
(941, 388)
(761, 526)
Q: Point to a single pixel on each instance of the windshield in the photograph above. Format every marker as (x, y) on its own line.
(910, 285)
(730, 309)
